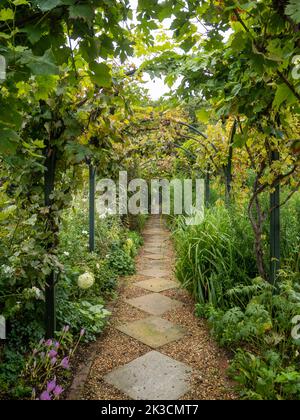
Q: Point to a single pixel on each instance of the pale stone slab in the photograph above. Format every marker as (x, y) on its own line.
(157, 285)
(154, 272)
(149, 265)
(153, 331)
(153, 376)
(154, 303)
(155, 257)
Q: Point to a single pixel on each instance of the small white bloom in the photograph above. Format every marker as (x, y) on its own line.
(7, 270)
(67, 254)
(86, 280)
(38, 293)
(85, 232)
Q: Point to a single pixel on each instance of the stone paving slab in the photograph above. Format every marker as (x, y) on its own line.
(154, 272)
(153, 331)
(153, 376)
(149, 265)
(155, 257)
(154, 303)
(157, 284)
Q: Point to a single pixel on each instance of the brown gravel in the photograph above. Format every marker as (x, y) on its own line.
(198, 350)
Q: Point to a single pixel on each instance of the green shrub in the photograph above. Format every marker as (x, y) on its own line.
(265, 377)
(91, 316)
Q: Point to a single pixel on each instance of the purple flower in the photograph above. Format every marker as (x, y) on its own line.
(53, 361)
(52, 353)
(58, 390)
(45, 396)
(65, 363)
(49, 342)
(82, 332)
(56, 344)
(51, 385)
(66, 328)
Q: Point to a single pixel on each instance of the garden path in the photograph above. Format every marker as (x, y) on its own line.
(155, 347)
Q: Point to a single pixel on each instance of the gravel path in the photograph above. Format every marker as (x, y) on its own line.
(197, 350)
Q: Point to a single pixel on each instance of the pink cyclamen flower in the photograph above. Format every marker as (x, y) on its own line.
(52, 353)
(45, 396)
(58, 390)
(82, 332)
(65, 363)
(51, 385)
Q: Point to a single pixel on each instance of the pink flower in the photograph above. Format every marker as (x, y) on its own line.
(65, 363)
(53, 361)
(56, 344)
(49, 342)
(66, 328)
(58, 390)
(45, 396)
(82, 332)
(51, 385)
(52, 353)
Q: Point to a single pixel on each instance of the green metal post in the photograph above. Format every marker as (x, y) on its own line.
(228, 170)
(92, 174)
(50, 300)
(274, 228)
(207, 186)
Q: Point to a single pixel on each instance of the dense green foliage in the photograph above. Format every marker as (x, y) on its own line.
(71, 98)
(246, 314)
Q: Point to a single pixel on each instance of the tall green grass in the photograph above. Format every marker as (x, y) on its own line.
(214, 256)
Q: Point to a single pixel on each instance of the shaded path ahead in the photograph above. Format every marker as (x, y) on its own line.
(155, 347)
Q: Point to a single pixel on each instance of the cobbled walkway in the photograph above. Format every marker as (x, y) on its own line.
(155, 348)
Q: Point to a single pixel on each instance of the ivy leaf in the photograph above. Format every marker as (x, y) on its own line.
(101, 74)
(8, 141)
(46, 5)
(81, 11)
(6, 14)
(293, 10)
(33, 32)
(202, 115)
(41, 65)
(283, 93)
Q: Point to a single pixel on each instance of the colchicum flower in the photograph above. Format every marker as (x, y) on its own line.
(45, 396)
(86, 280)
(65, 363)
(51, 385)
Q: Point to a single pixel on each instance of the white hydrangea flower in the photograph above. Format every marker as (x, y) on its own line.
(86, 280)
(7, 270)
(38, 293)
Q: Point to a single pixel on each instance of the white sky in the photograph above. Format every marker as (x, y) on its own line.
(157, 87)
